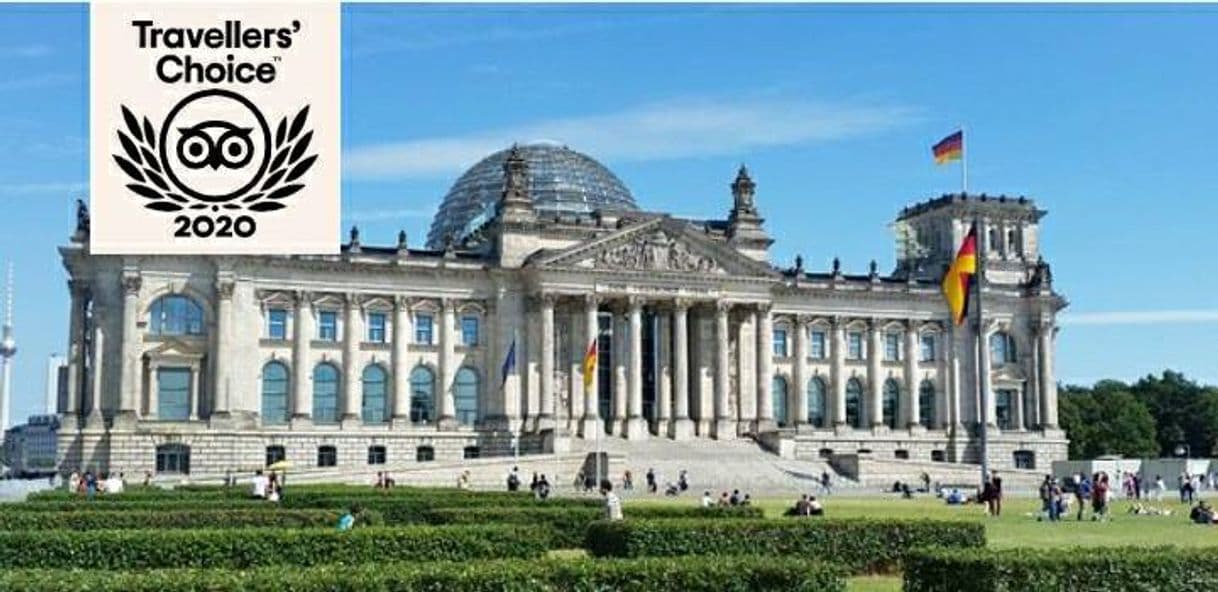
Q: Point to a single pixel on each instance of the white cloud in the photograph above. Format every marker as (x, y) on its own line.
(25, 51)
(24, 189)
(390, 214)
(39, 81)
(1140, 317)
(669, 130)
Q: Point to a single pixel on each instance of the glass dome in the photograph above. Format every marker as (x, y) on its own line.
(561, 181)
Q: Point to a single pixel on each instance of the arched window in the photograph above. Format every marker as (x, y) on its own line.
(778, 392)
(422, 394)
(854, 403)
(465, 396)
(375, 409)
(175, 314)
(816, 402)
(325, 393)
(891, 399)
(1002, 348)
(173, 458)
(926, 404)
(274, 393)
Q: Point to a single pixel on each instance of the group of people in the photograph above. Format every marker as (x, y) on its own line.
(807, 505)
(90, 484)
(540, 485)
(267, 487)
(1094, 490)
(384, 481)
(726, 501)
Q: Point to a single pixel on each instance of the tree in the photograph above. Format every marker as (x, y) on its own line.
(1106, 419)
(1184, 412)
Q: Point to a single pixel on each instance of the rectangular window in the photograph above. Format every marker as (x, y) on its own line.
(327, 456)
(892, 347)
(780, 343)
(854, 345)
(928, 347)
(327, 325)
(277, 323)
(422, 329)
(173, 393)
(469, 331)
(376, 327)
(817, 343)
(376, 455)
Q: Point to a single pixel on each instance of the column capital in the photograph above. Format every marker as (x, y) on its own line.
(303, 298)
(722, 307)
(765, 308)
(447, 303)
(547, 299)
(78, 288)
(635, 302)
(225, 288)
(353, 299)
(131, 282)
(403, 303)
(682, 304)
(803, 320)
(838, 321)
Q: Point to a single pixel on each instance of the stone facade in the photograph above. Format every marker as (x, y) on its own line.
(698, 335)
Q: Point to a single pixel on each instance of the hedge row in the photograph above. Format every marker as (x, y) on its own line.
(1129, 569)
(688, 574)
(569, 525)
(242, 491)
(106, 519)
(238, 548)
(862, 545)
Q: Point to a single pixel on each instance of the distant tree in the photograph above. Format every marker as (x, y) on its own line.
(1183, 411)
(1106, 419)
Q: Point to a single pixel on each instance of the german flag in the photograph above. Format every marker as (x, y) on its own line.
(590, 365)
(949, 148)
(960, 276)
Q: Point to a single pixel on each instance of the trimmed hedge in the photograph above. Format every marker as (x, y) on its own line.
(239, 548)
(862, 545)
(1149, 569)
(568, 525)
(107, 519)
(688, 574)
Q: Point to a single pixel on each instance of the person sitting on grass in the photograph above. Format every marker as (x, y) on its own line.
(814, 507)
(706, 500)
(955, 498)
(1202, 513)
(347, 521)
(802, 507)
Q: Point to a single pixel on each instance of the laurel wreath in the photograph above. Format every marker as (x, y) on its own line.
(147, 173)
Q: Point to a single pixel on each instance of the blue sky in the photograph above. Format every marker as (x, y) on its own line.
(1104, 115)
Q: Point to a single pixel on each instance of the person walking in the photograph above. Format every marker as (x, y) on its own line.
(613, 505)
(1082, 493)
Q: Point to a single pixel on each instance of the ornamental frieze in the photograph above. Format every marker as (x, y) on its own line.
(653, 251)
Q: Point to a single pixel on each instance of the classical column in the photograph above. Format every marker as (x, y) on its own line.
(875, 381)
(401, 362)
(724, 428)
(746, 372)
(636, 426)
(663, 337)
(94, 420)
(800, 388)
(545, 419)
(130, 367)
(1017, 418)
(912, 408)
(943, 392)
(989, 414)
(620, 386)
(591, 421)
(765, 370)
(152, 409)
(955, 421)
(76, 363)
(837, 371)
(1048, 387)
(302, 372)
(351, 367)
(682, 428)
(448, 408)
(222, 386)
(196, 372)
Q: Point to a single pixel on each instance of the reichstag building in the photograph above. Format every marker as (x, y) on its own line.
(393, 354)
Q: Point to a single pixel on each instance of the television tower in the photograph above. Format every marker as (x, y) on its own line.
(8, 349)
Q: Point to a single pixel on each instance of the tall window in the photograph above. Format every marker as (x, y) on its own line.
(175, 314)
(327, 456)
(780, 343)
(465, 396)
(376, 327)
(469, 331)
(926, 404)
(778, 391)
(325, 393)
(816, 402)
(891, 398)
(423, 329)
(375, 409)
(173, 458)
(1003, 404)
(422, 394)
(927, 342)
(854, 345)
(892, 346)
(277, 324)
(173, 393)
(274, 454)
(1002, 348)
(854, 403)
(817, 345)
(274, 393)
(327, 325)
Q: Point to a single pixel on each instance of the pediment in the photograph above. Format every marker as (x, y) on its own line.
(177, 349)
(662, 245)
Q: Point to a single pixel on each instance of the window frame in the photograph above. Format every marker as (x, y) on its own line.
(476, 322)
(424, 323)
(817, 349)
(892, 346)
(327, 456)
(928, 350)
(856, 346)
(330, 327)
(272, 324)
(378, 454)
(377, 330)
(779, 343)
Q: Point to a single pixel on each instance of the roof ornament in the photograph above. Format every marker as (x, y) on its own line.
(401, 240)
(743, 190)
(354, 245)
(837, 267)
(82, 219)
(874, 273)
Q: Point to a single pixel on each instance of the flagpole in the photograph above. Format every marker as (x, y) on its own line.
(983, 380)
(963, 163)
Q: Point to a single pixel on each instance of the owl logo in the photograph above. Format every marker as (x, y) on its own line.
(215, 151)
